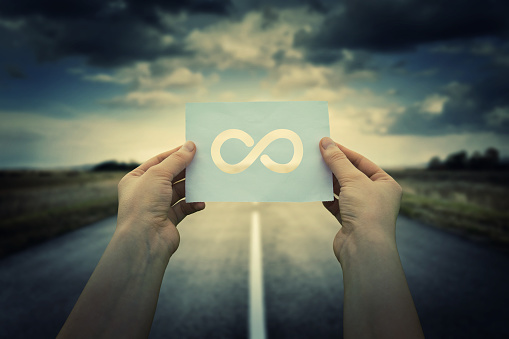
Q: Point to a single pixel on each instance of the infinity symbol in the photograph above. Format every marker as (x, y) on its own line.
(298, 151)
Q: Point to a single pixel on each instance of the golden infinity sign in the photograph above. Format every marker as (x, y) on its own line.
(298, 151)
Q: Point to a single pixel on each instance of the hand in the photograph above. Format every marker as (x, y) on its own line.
(368, 201)
(150, 205)
(378, 303)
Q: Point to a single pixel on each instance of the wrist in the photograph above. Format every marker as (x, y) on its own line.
(144, 243)
(360, 247)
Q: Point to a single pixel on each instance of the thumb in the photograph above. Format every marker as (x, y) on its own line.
(177, 161)
(338, 162)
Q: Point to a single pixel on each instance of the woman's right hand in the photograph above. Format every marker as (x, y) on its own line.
(368, 201)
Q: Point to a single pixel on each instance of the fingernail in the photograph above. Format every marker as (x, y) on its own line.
(188, 146)
(327, 142)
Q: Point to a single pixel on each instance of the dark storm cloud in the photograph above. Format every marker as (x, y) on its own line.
(322, 6)
(106, 33)
(479, 107)
(102, 42)
(269, 16)
(14, 72)
(480, 104)
(392, 25)
(90, 8)
(119, 32)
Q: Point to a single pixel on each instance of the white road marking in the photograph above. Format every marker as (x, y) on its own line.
(257, 328)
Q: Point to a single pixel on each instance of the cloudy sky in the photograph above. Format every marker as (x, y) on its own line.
(90, 80)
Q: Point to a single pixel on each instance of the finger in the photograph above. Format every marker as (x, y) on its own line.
(183, 209)
(339, 163)
(179, 176)
(366, 166)
(333, 208)
(176, 162)
(153, 161)
(336, 188)
(179, 191)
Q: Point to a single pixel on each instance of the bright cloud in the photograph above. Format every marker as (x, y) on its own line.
(327, 94)
(254, 41)
(163, 54)
(153, 99)
(299, 76)
(143, 76)
(153, 83)
(433, 104)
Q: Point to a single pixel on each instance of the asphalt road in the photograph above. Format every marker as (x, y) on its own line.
(460, 287)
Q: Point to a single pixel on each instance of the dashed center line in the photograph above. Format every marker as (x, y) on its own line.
(257, 328)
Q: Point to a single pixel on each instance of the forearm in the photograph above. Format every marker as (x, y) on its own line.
(119, 300)
(377, 301)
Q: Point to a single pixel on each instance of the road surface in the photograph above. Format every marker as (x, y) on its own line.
(460, 287)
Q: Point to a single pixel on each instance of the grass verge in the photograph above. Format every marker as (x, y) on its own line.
(29, 229)
(470, 219)
(36, 206)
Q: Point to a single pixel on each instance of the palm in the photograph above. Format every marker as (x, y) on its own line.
(162, 205)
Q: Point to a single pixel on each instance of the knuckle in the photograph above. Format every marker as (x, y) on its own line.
(123, 181)
(358, 175)
(337, 156)
(160, 158)
(179, 158)
(397, 188)
(156, 171)
(352, 178)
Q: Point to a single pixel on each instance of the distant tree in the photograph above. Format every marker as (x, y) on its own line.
(504, 163)
(113, 165)
(491, 158)
(476, 161)
(456, 161)
(435, 163)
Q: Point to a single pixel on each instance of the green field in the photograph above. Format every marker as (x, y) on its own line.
(39, 205)
(472, 203)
